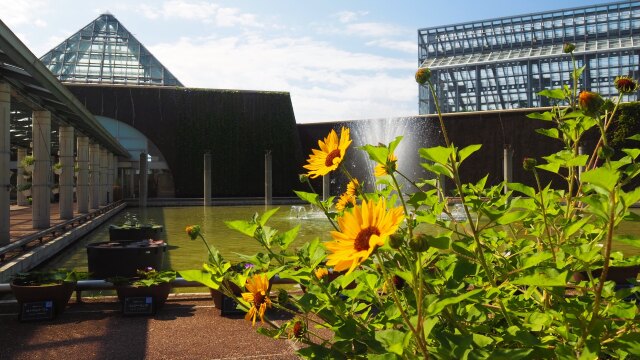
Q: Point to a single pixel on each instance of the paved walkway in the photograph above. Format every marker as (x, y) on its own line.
(188, 327)
(21, 220)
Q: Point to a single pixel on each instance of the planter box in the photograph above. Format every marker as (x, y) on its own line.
(124, 258)
(619, 274)
(57, 294)
(143, 300)
(117, 233)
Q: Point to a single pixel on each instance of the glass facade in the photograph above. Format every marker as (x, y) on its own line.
(105, 52)
(503, 63)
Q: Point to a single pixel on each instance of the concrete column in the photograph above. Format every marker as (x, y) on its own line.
(132, 182)
(326, 187)
(104, 168)
(41, 183)
(507, 168)
(94, 176)
(21, 199)
(82, 184)
(66, 177)
(5, 143)
(143, 180)
(207, 179)
(109, 177)
(268, 178)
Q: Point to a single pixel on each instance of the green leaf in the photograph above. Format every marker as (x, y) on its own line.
(437, 154)
(634, 153)
(553, 167)
(601, 177)
(574, 226)
(378, 154)
(438, 169)
(436, 307)
(546, 116)
(242, 226)
(635, 137)
(553, 94)
(630, 342)
(393, 340)
(388, 356)
(394, 144)
(288, 237)
(552, 133)
(535, 260)
(441, 242)
(201, 276)
(544, 277)
(624, 310)
(265, 217)
(578, 72)
(467, 151)
(527, 190)
(512, 217)
(631, 197)
(633, 240)
(481, 340)
(311, 198)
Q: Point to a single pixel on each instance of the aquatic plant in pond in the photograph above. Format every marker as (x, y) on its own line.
(497, 282)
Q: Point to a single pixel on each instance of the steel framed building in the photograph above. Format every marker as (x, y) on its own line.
(503, 63)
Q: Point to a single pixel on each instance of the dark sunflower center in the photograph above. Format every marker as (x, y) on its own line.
(332, 155)
(258, 299)
(362, 240)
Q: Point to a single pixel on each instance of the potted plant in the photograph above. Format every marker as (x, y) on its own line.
(28, 163)
(54, 288)
(219, 275)
(25, 188)
(145, 293)
(133, 229)
(57, 168)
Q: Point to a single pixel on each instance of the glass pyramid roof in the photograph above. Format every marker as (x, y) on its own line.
(104, 52)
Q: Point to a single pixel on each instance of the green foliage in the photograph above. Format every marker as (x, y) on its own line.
(521, 275)
(51, 277)
(146, 278)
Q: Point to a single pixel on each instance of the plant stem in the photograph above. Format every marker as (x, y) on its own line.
(544, 215)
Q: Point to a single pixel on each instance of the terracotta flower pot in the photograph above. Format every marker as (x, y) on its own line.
(59, 294)
(217, 295)
(159, 293)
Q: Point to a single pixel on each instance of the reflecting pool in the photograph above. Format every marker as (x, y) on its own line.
(185, 253)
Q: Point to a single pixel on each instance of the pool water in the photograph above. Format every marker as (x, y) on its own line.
(185, 253)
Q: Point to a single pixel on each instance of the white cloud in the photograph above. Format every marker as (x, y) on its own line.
(349, 16)
(325, 82)
(373, 29)
(409, 47)
(204, 11)
(22, 12)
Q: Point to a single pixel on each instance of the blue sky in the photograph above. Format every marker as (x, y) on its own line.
(339, 60)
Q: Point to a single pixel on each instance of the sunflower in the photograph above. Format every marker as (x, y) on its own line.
(352, 187)
(330, 155)
(344, 201)
(258, 297)
(389, 167)
(362, 231)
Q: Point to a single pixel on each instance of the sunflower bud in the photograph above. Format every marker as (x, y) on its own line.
(283, 297)
(419, 243)
(625, 85)
(590, 102)
(568, 48)
(529, 164)
(303, 178)
(423, 75)
(605, 152)
(193, 231)
(396, 240)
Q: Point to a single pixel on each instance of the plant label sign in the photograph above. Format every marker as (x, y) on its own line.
(138, 305)
(229, 307)
(37, 310)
